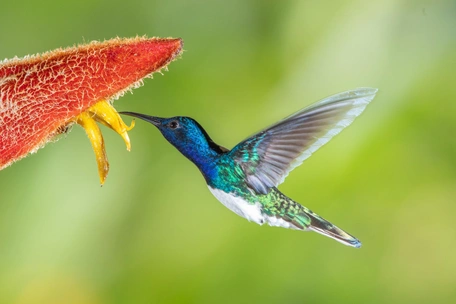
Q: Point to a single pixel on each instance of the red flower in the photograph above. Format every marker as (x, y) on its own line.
(43, 95)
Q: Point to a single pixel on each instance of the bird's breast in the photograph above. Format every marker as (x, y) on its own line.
(249, 211)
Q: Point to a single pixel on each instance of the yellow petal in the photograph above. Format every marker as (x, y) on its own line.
(104, 113)
(86, 120)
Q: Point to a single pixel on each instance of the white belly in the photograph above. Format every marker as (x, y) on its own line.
(251, 212)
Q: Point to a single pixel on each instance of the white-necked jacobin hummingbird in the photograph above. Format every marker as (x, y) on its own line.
(245, 178)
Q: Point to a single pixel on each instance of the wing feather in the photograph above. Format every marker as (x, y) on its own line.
(268, 156)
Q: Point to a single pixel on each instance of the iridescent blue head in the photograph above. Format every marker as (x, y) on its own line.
(187, 135)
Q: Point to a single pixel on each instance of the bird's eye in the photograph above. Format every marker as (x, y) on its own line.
(174, 124)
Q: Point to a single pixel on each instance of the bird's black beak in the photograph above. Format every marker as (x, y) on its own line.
(156, 121)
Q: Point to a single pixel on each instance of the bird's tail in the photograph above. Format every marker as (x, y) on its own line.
(322, 226)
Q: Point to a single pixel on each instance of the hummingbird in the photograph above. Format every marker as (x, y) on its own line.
(245, 178)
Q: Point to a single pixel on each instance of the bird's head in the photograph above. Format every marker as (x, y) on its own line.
(184, 133)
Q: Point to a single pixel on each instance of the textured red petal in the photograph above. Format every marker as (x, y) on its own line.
(41, 93)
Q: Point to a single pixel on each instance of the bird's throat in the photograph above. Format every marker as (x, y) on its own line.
(205, 160)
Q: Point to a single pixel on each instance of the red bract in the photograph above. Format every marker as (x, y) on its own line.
(42, 95)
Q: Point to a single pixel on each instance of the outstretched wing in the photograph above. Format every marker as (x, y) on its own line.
(268, 156)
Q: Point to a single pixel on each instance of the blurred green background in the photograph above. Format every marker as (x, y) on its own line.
(154, 234)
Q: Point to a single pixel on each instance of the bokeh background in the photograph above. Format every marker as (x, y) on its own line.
(154, 234)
